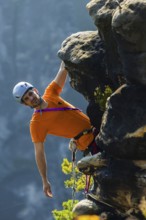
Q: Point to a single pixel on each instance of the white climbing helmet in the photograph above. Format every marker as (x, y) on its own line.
(20, 89)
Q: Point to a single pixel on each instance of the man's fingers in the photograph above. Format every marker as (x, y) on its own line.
(49, 194)
(47, 189)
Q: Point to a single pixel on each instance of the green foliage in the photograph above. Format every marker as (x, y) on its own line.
(66, 166)
(79, 177)
(66, 213)
(101, 97)
(78, 183)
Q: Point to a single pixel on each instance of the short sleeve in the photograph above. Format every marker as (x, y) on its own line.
(53, 88)
(37, 134)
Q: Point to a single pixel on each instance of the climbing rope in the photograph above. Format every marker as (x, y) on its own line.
(73, 176)
(73, 149)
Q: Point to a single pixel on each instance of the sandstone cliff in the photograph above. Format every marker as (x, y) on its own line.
(114, 55)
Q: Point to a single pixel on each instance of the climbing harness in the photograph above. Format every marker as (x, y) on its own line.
(86, 131)
(55, 109)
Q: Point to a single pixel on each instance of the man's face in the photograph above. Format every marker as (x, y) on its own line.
(31, 98)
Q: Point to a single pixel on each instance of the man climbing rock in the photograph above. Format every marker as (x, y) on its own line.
(53, 115)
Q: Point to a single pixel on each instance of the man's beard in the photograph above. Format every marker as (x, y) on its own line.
(38, 103)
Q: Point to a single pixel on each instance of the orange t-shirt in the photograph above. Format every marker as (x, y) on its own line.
(66, 124)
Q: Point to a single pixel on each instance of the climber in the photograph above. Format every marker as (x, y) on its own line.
(53, 115)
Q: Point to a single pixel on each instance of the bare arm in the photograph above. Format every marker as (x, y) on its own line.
(61, 75)
(42, 167)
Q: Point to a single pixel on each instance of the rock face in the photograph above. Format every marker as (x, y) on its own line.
(84, 55)
(129, 27)
(114, 56)
(123, 130)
